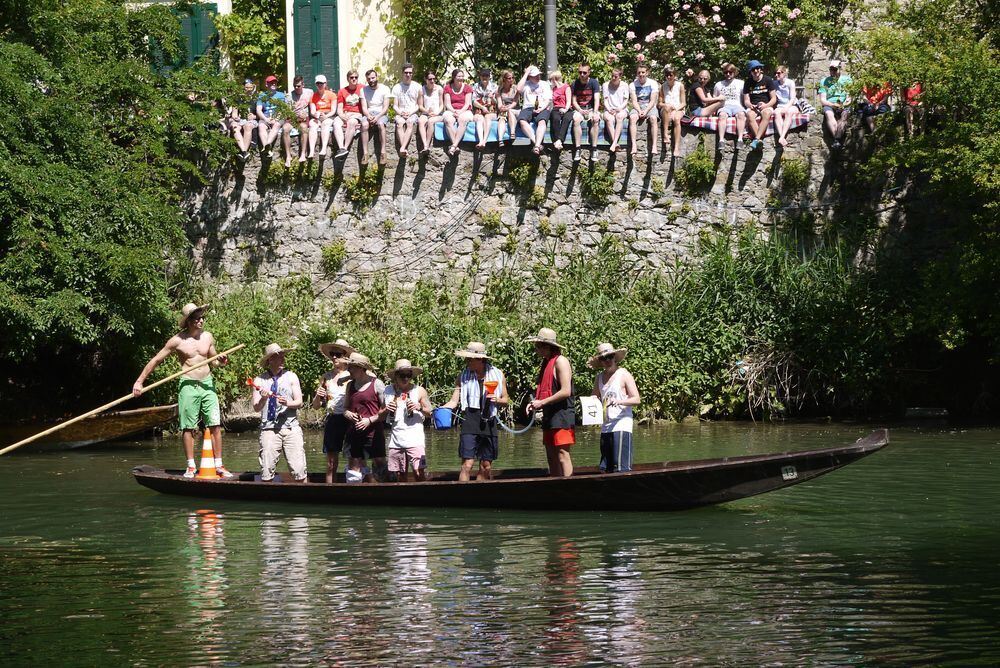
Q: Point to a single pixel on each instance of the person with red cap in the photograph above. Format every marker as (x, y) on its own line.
(269, 123)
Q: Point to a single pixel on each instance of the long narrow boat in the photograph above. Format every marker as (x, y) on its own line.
(97, 429)
(663, 486)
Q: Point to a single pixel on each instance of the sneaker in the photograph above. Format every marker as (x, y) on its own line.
(576, 155)
(756, 144)
(342, 153)
(190, 472)
(223, 472)
(836, 146)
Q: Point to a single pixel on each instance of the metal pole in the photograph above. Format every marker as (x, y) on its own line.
(551, 60)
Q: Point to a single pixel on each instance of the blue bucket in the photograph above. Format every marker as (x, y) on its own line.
(443, 418)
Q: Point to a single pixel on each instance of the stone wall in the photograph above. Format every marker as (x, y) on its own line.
(435, 214)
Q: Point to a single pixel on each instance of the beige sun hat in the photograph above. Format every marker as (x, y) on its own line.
(545, 335)
(534, 71)
(404, 365)
(606, 349)
(331, 350)
(476, 350)
(186, 313)
(357, 359)
(270, 350)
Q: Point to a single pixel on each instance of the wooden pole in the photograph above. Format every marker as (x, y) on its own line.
(128, 396)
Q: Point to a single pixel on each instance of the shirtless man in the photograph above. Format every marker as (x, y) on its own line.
(196, 397)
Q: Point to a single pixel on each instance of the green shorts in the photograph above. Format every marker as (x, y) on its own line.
(197, 399)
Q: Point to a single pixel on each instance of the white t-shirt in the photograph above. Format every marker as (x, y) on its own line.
(376, 98)
(615, 100)
(405, 431)
(731, 90)
(672, 96)
(540, 90)
(644, 92)
(406, 96)
(616, 418)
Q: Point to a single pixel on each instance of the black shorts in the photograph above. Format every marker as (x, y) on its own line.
(369, 445)
(530, 115)
(478, 446)
(334, 433)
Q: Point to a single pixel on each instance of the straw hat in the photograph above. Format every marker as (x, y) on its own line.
(271, 350)
(404, 365)
(189, 310)
(357, 359)
(334, 350)
(606, 349)
(545, 335)
(474, 351)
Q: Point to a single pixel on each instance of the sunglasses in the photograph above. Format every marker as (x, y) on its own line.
(607, 357)
(352, 78)
(432, 78)
(405, 375)
(407, 74)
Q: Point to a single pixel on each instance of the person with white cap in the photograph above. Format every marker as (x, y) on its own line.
(324, 103)
(407, 406)
(363, 409)
(277, 395)
(554, 398)
(835, 101)
(536, 106)
(330, 393)
(479, 389)
(617, 390)
(196, 397)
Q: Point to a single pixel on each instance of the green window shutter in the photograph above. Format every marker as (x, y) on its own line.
(329, 51)
(304, 39)
(316, 42)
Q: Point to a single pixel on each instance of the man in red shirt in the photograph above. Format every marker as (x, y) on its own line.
(352, 113)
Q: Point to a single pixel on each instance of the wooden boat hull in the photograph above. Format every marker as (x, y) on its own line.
(666, 486)
(97, 429)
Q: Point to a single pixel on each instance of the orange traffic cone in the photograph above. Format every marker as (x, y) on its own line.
(207, 469)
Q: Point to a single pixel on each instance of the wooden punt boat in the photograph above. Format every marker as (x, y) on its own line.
(97, 429)
(662, 486)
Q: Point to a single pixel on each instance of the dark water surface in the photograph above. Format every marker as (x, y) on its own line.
(890, 560)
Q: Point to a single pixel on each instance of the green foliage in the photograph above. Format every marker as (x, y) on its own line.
(334, 254)
(254, 37)
(363, 190)
(95, 149)
(794, 175)
(697, 174)
(490, 222)
(522, 175)
(597, 185)
(300, 173)
(536, 198)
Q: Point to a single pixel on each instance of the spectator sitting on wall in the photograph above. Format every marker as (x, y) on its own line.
(672, 104)
(302, 104)
(244, 137)
(787, 107)
(507, 109)
(834, 99)
(586, 107)
(269, 124)
(324, 109)
(458, 108)
(874, 102)
(759, 97)
(430, 110)
(536, 106)
(615, 95)
(703, 101)
(644, 96)
(352, 113)
(407, 98)
(484, 105)
(377, 102)
(730, 89)
(562, 113)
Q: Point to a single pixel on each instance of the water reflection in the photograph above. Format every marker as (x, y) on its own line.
(206, 586)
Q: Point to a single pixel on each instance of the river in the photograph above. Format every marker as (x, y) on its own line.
(892, 560)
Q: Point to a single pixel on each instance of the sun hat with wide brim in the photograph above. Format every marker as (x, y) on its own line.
(606, 349)
(270, 350)
(357, 359)
(333, 351)
(474, 351)
(189, 310)
(404, 365)
(545, 335)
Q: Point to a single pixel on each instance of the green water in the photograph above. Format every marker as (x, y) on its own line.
(892, 560)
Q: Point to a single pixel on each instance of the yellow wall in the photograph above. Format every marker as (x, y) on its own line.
(364, 41)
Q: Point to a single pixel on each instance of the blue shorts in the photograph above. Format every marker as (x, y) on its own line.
(616, 451)
(477, 446)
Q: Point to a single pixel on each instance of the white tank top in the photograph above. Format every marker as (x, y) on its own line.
(616, 418)
(405, 431)
(335, 394)
(672, 96)
(432, 101)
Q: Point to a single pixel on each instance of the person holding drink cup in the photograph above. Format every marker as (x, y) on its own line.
(331, 393)
(479, 389)
(407, 406)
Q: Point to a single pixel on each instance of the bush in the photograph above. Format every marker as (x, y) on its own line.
(490, 222)
(363, 190)
(334, 254)
(522, 175)
(536, 198)
(697, 174)
(597, 185)
(794, 175)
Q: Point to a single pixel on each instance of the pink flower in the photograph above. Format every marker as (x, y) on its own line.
(637, 46)
(767, 24)
(677, 14)
(641, 58)
(699, 56)
(689, 72)
(716, 8)
(685, 7)
(612, 58)
(766, 8)
(701, 20)
(716, 18)
(670, 35)
(721, 40)
(619, 46)
(630, 35)
(777, 22)
(746, 31)
(670, 28)
(661, 32)
(762, 13)
(680, 53)
(650, 38)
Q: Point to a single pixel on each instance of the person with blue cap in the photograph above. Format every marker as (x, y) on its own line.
(760, 97)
